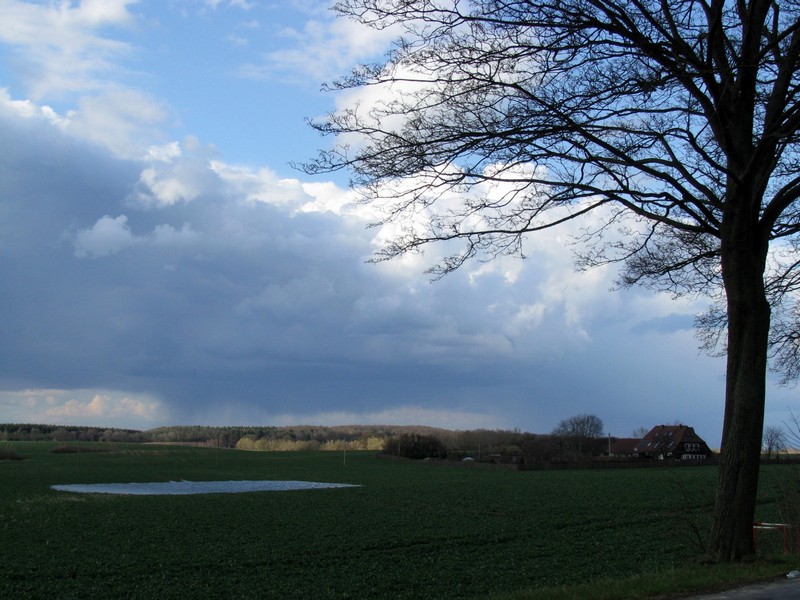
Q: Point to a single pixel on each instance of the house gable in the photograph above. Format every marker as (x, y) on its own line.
(673, 441)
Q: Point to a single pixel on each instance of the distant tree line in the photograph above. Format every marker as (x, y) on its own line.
(67, 433)
(577, 438)
(226, 437)
(303, 437)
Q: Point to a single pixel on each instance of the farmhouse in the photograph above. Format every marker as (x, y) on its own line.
(678, 442)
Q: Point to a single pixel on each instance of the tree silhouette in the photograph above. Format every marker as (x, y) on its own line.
(579, 429)
(670, 126)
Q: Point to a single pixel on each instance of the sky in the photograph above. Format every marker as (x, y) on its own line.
(163, 263)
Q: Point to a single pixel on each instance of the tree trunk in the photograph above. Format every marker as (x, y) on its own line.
(743, 262)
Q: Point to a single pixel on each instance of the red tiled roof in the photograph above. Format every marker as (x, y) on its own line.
(625, 446)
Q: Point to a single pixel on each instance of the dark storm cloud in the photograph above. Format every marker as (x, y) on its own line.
(213, 300)
(215, 294)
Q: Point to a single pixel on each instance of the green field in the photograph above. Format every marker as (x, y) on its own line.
(409, 531)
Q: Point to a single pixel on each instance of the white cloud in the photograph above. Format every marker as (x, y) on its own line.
(508, 268)
(84, 407)
(166, 189)
(329, 197)
(123, 120)
(164, 153)
(243, 4)
(320, 51)
(108, 235)
(28, 109)
(262, 185)
(104, 12)
(61, 46)
(176, 173)
(65, 54)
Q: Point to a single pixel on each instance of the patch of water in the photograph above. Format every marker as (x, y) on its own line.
(195, 487)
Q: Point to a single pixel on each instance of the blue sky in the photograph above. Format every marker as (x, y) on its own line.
(163, 264)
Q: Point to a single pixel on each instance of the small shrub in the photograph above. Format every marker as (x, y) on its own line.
(246, 443)
(9, 454)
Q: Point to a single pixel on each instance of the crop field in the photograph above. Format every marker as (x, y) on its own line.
(407, 531)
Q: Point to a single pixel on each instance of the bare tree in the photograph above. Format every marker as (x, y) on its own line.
(773, 440)
(579, 429)
(672, 122)
(791, 431)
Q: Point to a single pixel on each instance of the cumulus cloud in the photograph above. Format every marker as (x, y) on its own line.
(122, 121)
(164, 187)
(261, 185)
(108, 235)
(27, 108)
(83, 407)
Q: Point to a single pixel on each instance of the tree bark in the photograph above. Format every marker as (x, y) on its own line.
(743, 262)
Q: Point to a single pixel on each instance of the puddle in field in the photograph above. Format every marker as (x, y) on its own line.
(177, 488)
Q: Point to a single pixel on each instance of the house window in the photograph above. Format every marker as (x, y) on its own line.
(693, 457)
